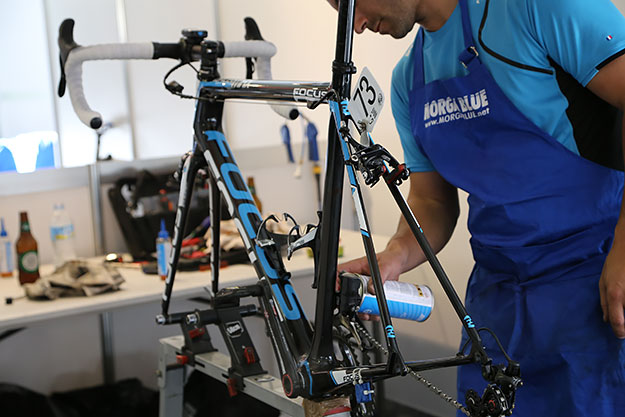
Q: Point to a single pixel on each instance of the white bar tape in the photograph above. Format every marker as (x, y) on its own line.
(73, 70)
(249, 49)
(263, 51)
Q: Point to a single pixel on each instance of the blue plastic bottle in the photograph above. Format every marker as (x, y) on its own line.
(163, 249)
(6, 252)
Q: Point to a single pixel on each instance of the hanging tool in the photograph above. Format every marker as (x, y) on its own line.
(286, 139)
(313, 156)
(310, 132)
(302, 154)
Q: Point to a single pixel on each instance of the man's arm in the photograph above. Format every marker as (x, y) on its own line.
(609, 84)
(435, 204)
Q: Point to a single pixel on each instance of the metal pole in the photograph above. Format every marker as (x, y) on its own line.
(122, 33)
(106, 337)
(96, 208)
(52, 61)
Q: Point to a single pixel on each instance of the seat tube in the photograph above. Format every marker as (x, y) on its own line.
(322, 350)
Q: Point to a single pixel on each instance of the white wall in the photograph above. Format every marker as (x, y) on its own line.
(104, 82)
(24, 81)
(163, 122)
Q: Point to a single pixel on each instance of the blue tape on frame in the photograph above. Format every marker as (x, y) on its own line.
(469, 321)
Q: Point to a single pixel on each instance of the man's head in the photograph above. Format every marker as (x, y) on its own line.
(388, 17)
(398, 17)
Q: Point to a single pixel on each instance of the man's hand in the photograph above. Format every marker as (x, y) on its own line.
(612, 288)
(390, 265)
(609, 84)
(435, 202)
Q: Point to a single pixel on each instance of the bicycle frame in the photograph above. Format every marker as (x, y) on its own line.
(305, 354)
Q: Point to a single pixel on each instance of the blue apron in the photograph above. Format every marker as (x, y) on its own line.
(542, 222)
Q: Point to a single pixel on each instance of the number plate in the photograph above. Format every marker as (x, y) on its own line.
(367, 101)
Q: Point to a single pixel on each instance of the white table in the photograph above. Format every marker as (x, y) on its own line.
(139, 288)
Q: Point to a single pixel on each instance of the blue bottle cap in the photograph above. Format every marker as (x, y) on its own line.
(163, 232)
(3, 232)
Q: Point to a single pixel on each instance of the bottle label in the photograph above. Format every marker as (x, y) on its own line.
(29, 261)
(25, 227)
(61, 232)
(6, 259)
(163, 251)
(404, 300)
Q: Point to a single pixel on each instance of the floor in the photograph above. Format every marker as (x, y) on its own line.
(393, 409)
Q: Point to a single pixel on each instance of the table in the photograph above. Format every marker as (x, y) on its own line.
(140, 289)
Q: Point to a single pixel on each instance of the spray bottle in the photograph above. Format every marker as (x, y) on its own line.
(163, 249)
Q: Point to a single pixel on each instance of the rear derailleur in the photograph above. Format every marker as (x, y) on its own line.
(498, 397)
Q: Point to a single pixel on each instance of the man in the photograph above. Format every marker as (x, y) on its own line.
(491, 99)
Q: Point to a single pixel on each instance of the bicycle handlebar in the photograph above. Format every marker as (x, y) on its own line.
(73, 55)
(73, 73)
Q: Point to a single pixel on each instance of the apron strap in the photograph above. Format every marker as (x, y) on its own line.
(470, 52)
(418, 73)
(466, 57)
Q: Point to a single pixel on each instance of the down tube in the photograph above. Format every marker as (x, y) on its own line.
(266, 261)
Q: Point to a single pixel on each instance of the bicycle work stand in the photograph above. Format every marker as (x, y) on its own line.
(194, 348)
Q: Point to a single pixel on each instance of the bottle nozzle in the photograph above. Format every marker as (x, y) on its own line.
(163, 232)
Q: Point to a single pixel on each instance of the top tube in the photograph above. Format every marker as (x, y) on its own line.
(288, 91)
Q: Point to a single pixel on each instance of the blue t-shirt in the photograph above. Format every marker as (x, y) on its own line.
(578, 35)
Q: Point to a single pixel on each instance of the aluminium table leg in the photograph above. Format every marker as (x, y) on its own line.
(170, 383)
(106, 337)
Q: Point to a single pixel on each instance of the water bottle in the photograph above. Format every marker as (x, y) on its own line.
(404, 300)
(6, 253)
(62, 235)
(163, 249)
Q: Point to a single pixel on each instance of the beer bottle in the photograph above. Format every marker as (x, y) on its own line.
(26, 249)
(252, 188)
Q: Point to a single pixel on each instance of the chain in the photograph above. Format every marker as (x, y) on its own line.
(448, 398)
(370, 338)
